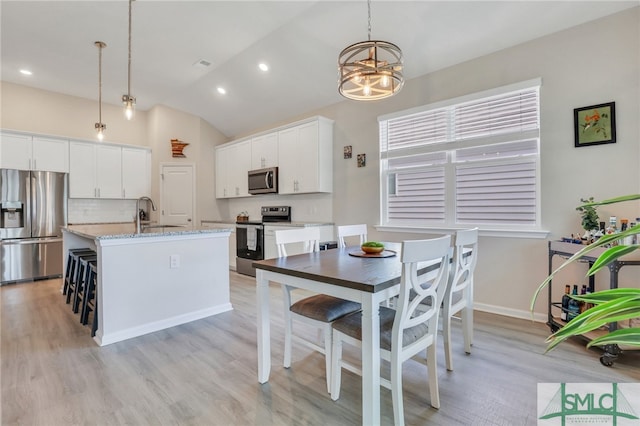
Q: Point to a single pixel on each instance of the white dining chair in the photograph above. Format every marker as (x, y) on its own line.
(351, 231)
(319, 310)
(459, 295)
(407, 330)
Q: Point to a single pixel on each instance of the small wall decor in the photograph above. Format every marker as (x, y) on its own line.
(347, 152)
(595, 125)
(362, 160)
(176, 148)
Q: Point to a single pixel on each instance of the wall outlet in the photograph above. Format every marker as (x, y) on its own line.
(174, 261)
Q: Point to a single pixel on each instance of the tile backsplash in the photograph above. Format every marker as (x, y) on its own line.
(100, 211)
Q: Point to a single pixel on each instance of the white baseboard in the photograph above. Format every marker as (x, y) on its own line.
(508, 312)
(151, 327)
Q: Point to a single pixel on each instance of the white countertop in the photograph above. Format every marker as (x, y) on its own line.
(104, 231)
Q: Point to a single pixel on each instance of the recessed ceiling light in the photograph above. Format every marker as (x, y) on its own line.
(222, 90)
(26, 72)
(263, 66)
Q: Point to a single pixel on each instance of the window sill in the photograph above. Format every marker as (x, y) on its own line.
(483, 232)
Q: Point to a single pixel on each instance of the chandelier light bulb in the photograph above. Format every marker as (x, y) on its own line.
(366, 89)
(384, 80)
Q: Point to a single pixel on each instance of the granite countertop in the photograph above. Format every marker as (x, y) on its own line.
(104, 231)
(299, 224)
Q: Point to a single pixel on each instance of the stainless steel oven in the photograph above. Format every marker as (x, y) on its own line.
(249, 246)
(250, 237)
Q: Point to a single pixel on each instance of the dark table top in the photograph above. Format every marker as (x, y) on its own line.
(337, 267)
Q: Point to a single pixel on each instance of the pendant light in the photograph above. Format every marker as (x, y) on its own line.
(100, 126)
(370, 70)
(129, 101)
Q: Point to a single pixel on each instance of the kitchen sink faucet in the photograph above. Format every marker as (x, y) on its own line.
(153, 207)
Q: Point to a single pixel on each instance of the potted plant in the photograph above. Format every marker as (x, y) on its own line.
(611, 305)
(588, 215)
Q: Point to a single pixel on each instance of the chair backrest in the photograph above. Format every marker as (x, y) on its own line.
(309, 236)
(352, 230)
(421, 294)
(465, 258)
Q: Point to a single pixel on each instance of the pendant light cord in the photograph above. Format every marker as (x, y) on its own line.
(369, 27)
(129, 67)
(100, 83)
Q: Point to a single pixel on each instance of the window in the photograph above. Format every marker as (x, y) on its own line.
(468, 161)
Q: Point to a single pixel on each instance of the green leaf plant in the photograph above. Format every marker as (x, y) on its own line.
(610, 305)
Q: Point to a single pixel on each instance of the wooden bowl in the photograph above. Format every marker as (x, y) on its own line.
(372, 250)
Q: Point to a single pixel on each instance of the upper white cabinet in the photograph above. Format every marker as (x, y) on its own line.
(95, 171)
(305, 160)
(26, 152)
(108, 171)
(302, 152)
(136, 173)
(264, 151)
(233, 161)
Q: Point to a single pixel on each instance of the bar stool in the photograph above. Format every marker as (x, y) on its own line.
(72, 258)
(74, 277)
(81, 279)
(91, 298)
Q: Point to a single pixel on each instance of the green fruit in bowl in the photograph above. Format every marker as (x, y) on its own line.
(372, 247)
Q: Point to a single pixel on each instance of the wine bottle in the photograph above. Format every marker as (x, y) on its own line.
(565, 302)
(581, 304)
(574, 307)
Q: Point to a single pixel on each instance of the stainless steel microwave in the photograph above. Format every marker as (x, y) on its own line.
(263, 181)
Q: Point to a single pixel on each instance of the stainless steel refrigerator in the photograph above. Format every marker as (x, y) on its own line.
(33, 208)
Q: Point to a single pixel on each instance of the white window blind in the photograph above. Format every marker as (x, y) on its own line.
(471, 162)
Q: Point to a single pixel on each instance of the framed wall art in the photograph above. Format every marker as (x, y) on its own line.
(347, 152)
(595, 125)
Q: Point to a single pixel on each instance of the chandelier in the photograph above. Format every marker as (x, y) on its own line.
(370, 70)
(100, 126)
(129, 101)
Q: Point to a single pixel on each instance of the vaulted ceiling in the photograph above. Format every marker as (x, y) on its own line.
(299, 40)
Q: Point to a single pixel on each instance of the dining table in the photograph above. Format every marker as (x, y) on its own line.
(344, 273)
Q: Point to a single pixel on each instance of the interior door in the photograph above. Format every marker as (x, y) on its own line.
(177, 195)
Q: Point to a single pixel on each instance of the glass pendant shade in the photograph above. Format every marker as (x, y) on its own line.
(129, 103)
(370, 70)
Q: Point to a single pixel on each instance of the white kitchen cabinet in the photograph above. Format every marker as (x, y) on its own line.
(99, 170)
(95, 171)
(26, 152)
(264, 151)
(136, 173)
(232, 238)
(233, 161)
(305, 160)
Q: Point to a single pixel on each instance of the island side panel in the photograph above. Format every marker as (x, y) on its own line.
(141, 292)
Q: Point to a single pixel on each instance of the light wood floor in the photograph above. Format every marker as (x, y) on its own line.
(205, 372)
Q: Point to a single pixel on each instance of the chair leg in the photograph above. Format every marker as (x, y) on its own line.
(396, 387)
(336, 366)
(328, 348)
(287, 326)
(467, 328)
(432, 367)
(446, 337)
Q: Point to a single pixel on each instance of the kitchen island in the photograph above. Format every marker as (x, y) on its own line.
(154, 280)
